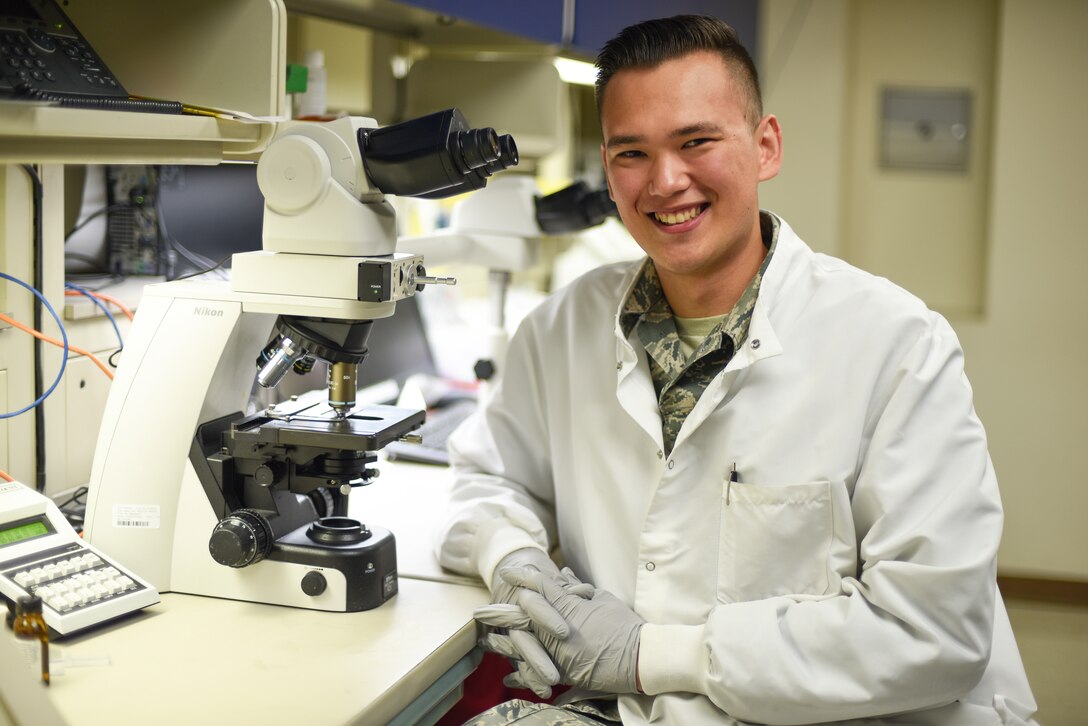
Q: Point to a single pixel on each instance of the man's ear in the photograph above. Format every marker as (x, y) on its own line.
(769, 138)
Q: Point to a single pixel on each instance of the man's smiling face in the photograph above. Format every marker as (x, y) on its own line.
(683, 163)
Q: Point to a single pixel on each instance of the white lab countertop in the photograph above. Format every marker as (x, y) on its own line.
(193, 659)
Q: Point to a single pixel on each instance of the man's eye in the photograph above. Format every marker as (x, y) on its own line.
(696, 142)
(629, 154)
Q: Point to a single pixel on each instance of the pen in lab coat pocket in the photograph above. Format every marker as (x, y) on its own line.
(733, 476)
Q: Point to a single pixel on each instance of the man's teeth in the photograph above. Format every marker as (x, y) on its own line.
(677, 217)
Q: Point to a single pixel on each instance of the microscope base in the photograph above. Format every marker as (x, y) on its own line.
(369, 567)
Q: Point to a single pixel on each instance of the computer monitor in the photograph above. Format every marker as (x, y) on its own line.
(398, 347)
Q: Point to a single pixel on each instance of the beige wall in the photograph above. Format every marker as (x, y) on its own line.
(924, 229)
(1012, 281)
(1027, 357)
(804, 75)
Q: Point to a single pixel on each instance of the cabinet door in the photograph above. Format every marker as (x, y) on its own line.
(595, 21)
(535, 19)
(226, 55)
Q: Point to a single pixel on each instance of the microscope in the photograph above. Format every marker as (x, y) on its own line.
(194, 489)
(501, 228)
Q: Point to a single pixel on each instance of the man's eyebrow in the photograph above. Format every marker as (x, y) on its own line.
(623, 140)
(704, 127)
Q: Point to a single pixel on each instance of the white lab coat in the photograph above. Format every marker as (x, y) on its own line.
(848, 573)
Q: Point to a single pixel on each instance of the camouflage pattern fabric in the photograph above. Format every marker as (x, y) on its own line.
(526, 713)
(679, 381)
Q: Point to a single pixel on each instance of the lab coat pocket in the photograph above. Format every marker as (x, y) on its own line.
(774, 540)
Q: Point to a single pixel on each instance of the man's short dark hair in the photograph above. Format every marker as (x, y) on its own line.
(650, 43)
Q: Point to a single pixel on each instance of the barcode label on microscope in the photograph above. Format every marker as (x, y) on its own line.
(140, 516)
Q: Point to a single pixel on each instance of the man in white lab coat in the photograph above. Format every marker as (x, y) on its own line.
(761, 465)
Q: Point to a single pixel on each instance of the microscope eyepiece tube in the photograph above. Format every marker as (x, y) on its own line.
(479, 147)
(477, 178)
(508, 155)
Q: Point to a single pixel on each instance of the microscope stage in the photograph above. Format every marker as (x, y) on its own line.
(367, 428)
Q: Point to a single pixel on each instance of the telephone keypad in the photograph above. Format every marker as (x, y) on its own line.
(34, 57)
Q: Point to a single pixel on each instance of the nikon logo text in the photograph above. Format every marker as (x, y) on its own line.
(207, 312)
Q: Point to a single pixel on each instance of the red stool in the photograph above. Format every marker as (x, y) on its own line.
(484, 688)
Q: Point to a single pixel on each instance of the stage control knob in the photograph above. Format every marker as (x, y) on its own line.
(269, 473)
(313, 583)
(240, 539)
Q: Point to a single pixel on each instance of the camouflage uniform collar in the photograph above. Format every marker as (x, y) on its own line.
(646, 299)
(680, 380)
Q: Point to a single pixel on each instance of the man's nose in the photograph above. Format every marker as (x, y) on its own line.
(668, 176)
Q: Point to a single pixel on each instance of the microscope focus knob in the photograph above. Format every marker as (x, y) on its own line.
(242, 538)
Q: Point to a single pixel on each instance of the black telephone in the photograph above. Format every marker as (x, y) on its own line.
(43, 57)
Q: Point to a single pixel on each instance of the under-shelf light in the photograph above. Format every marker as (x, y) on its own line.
(576, 71)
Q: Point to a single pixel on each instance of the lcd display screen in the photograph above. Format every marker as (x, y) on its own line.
(23, 531)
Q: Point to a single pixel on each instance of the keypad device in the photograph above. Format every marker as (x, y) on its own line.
(41, 554)
(72, 579)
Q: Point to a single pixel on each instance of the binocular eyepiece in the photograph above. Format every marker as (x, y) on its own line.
(434, 156)
(574, 208)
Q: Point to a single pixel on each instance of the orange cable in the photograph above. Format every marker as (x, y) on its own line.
(115, 301)
(5, 476)
(47, 339)
(105, 298)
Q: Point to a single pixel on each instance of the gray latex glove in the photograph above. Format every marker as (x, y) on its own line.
(533, 667)
(529, 557)
(601, 651)
(514, 610)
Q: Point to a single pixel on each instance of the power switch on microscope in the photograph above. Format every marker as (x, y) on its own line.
(375, 281)
(313, 583)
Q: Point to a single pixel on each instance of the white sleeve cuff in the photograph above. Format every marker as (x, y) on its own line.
(672, 658)
(496, 539)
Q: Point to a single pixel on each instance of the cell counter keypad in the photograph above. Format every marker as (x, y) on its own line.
(73, 581)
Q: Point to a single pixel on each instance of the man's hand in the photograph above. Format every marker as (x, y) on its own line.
(514, 609)
(601, 651)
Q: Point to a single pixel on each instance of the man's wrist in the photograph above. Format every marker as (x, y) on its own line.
(671, 658)
(495, 540)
